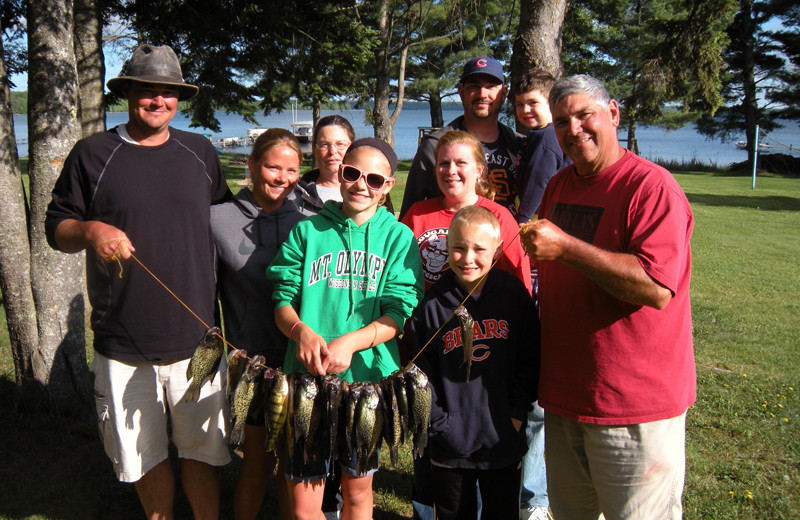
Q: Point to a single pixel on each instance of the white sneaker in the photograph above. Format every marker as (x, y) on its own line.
(535, 513)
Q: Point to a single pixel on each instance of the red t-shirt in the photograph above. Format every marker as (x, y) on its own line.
(605, 361)
(429, 221)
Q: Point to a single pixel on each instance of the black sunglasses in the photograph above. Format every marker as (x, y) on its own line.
(375, 181)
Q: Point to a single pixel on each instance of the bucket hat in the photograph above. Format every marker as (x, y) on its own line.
(151, 64)
(483, 65)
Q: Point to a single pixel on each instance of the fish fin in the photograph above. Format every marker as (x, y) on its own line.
(214, 369)
(192, 394)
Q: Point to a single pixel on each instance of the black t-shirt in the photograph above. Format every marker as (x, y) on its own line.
(160, 197)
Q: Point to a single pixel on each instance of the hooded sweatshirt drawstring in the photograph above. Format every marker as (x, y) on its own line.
(349, 248)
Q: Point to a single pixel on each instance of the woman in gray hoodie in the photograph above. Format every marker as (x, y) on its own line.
(248, 232)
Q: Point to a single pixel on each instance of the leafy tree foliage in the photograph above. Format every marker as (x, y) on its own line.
(787, 93)
(12, 30)
(650, 53)
(754, 66)
(245, 55)
(479, 28)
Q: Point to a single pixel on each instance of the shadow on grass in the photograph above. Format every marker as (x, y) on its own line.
(56, 468)
(765, 203)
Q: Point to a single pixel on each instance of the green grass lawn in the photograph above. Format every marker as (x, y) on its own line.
(743, 440)
(743, 447)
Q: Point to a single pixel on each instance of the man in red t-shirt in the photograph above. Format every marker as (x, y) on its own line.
(617, 371)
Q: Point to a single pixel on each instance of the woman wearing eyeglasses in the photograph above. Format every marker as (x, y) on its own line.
(330, 140)
(346, 280)
(460, 169)
(331, 137)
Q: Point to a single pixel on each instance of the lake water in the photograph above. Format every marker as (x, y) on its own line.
(681, 145)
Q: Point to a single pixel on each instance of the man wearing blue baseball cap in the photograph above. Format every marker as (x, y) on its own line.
(483, 92)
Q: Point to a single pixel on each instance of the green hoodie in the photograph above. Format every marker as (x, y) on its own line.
(312, 273)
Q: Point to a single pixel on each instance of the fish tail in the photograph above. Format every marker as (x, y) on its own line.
(192, 394)
(237, 434)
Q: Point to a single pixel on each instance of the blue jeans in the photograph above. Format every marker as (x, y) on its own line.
(534, 477)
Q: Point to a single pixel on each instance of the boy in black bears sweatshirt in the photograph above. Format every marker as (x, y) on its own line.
(477, 430)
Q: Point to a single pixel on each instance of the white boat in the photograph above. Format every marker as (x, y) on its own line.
(230, 142)
(761, 146)
(302, 130)
(253, 133)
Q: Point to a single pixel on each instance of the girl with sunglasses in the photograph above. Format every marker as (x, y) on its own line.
(346, 280)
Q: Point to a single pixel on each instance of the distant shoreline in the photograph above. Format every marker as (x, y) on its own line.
(19, 104)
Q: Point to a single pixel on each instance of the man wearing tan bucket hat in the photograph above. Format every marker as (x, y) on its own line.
(145, 187)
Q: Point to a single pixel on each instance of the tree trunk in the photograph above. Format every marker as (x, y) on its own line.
(15, 281)
(381, 122)
(749, 103)
(88, 33)
(59, 363)
(538, 41)
(633, 145)
(435, 104)
(316, 113)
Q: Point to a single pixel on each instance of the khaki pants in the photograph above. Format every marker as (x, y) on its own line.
(632, 472)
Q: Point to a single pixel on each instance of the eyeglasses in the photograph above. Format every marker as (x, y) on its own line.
(375, 181)
(339, 146)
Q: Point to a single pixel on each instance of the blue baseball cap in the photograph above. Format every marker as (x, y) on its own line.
(483, 65)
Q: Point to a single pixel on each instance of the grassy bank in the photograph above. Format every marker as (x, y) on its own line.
(743, 440)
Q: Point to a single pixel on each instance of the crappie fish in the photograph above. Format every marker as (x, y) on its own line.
(243, 397)
(204, 363)
(307, 415)
(275, 409)
(237, 361)
(419, 395)
(392, 423)
(466, 335)
(332, 393)
(349, 430)
(289, 424)
(401, 395)
(368, 426)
